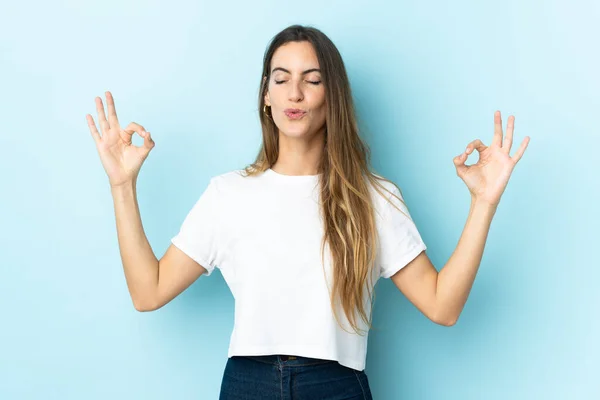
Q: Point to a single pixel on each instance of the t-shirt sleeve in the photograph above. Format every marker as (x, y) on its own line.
(199, 234)
(399, 238)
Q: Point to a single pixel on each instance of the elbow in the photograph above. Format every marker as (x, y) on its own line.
(144, 301)
(443, 316)
(141, 309)
(143, 306)
(445, 320)
(448, 323)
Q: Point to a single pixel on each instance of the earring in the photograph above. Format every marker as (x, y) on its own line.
(265, 111)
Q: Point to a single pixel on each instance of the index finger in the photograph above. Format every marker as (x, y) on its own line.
(130, 130)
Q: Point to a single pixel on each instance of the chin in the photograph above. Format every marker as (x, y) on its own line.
(295, 134)
(295, 131)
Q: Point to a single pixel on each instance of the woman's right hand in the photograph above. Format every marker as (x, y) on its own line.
(120, 158)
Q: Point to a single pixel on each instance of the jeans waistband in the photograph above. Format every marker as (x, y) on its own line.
(288, 359)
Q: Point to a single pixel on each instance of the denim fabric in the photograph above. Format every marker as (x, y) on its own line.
(275, 377)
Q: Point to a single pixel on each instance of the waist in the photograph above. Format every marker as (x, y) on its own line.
(288, 359)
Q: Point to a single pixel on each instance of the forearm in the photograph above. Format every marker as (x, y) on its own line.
(139, 262)
(456, 278)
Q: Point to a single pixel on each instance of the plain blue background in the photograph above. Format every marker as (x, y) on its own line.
(427, 78)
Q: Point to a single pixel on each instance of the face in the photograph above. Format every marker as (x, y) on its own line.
(295, 83)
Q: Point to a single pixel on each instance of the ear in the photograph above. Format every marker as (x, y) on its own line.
(267, 98)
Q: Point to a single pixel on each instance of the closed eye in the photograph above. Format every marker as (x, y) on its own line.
(313, 82)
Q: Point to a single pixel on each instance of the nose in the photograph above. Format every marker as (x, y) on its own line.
(295, 94)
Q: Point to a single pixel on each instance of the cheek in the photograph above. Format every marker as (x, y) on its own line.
(275, 94)
(318, 101)
(322, 109)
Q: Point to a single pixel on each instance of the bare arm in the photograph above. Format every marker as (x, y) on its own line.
(442, 296)
(152, 283)
(456, 278)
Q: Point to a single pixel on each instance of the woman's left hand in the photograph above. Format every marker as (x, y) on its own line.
(488, 178)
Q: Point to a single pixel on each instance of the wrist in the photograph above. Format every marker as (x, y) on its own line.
(483, 204)
(123, 187)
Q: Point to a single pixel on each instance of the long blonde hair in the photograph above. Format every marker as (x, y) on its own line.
(345, 177)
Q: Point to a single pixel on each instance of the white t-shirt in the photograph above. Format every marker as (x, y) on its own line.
(264, 234)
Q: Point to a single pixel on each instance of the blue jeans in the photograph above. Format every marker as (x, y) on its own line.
(275, 377)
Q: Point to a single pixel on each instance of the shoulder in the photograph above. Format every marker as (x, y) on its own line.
(387, 195)
(226, 177)
(232, 181)
(386, 190)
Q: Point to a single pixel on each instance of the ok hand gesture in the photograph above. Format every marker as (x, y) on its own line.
(120, 158)
(487, 179)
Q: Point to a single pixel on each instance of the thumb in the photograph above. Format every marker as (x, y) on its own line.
(148, 145)
(459, 163)
(148, 142)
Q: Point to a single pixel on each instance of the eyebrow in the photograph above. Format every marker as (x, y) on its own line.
(303, 73)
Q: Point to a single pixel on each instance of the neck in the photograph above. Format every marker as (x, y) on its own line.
(299, 156)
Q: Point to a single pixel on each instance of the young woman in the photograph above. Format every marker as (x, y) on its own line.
(303, 233)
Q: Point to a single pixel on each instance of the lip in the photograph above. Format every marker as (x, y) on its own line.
(294, 113)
